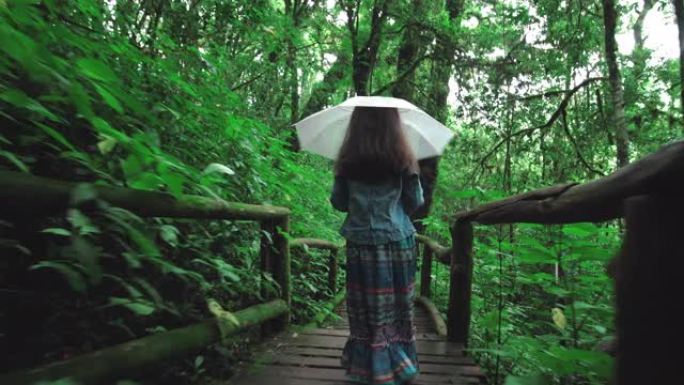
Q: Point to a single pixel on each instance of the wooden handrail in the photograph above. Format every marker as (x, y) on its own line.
(117, 361)
(32, 194)
(314, 243)
(24, 193)
(660, 173)
(442, 253)
(430, 249)
(435, 317)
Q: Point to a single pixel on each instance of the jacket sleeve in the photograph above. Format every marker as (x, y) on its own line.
(340, 194)
(411, 193)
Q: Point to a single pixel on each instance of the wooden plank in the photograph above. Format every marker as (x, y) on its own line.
(312, 357)
(345, 333)
(270, 379)
(278, 373)
(428, 357)
(286, 359)
(431, 347)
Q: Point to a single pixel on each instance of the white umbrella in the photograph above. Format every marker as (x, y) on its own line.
(323, 132)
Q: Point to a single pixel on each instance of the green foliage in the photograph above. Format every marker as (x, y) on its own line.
(198, 97)
(83, 97)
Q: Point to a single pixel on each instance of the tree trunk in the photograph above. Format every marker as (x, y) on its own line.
(679, 11)
(443, 59)
(411, 44)
(364, 57)
(615, 81)
(320, 95)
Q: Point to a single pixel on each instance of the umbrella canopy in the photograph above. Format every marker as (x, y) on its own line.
(323, 132)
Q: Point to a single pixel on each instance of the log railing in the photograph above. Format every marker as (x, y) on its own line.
(23, 194)
(431, 250)
(648, 194)
(660, 174)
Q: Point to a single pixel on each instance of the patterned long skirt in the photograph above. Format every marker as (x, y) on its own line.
(381, 349)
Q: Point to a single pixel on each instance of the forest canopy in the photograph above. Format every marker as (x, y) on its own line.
(198, 97)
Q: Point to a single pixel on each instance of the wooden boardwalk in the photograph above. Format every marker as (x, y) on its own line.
(312, 357)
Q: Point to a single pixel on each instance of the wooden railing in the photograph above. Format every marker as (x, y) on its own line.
(659, 177)
(23, 194)
(660, 174)
(649, 195)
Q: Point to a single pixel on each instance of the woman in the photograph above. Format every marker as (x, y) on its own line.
(376, 183)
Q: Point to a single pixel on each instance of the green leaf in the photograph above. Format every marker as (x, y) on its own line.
(72, 276)
(110, 99)
(104, 128)
(147, 181)
(559, 318)
(88, 256)
(59, 138)
(81, 222)
(19, 99)
(82, 192)
(61, 381)
(17, 45)
(169, 234)
(463, 194)
(146, 246)
(537, 379)
(106, 145)
(139, 307)
(14, 160)
(580, 229)
(127, 382)
(57, 231)
(96, 69)
(218, 168)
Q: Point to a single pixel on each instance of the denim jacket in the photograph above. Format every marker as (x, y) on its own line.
(377, 213)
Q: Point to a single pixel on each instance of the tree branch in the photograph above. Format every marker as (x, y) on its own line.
(581, 158)
(401, 77)
(564, 103)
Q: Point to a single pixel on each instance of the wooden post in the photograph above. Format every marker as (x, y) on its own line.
(282, 268)
(265, 251)
(426, 272)
(460, 286)
(648, 274)
(275, 259)
(332, 272)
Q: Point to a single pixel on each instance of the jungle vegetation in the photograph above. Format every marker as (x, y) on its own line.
(199, 96)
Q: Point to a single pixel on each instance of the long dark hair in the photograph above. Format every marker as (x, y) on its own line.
(375, 147)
